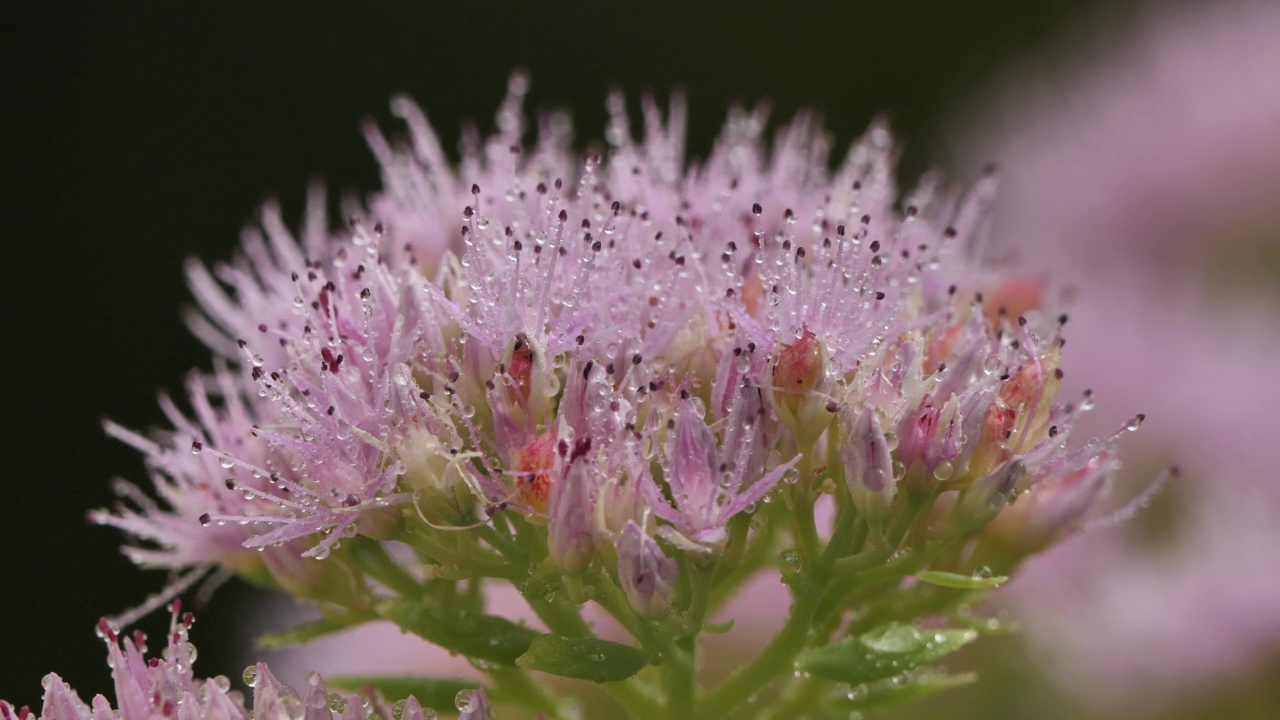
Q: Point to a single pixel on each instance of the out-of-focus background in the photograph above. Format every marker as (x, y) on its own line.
(1140, 145)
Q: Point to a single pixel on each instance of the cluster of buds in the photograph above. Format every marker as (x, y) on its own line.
(164, 687)
(624, 380)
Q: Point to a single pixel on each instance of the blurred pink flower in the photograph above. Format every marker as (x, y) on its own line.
(164, 687)
(1138, 179)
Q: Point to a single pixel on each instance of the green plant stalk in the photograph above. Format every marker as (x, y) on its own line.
(635, 700)
(502, 543)
(844, 578)
(847, 522)
(514, 685)
(736, 547)
(775, 658)
(481, 562)
(755, 555)
(796, 701)
(680, 676)
(375, 561)
(801, 500)
(565, 619)
(609, 597)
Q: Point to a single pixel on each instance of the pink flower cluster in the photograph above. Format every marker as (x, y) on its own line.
(625, 349)
(165, 687)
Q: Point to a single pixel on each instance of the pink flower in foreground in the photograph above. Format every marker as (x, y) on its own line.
(1150, 178)
(611, 363)
(165, 687)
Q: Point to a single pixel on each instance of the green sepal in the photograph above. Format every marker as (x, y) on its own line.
(583, 658)
(882, 653)
(885, 694)
(961, 582)
(305, 632)
(431, 692)
(482, 637)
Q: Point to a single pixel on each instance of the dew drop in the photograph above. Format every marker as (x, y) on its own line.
(944, 471)
(791, 559)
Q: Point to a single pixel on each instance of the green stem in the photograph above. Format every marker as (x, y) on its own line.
(757, 553)
(610, 597)
(847, 523)
(374, 560)
(801, 497)
(480, 562)
(681, 677)
(635, 700)
(844, 578)
(514, 685)
(799, 698)
(700, 601)
(735, 548)
(502, 543)
(565, 619)
(775, 658)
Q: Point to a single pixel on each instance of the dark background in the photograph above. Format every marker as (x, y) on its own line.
(136, 138)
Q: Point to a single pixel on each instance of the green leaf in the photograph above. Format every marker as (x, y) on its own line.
(961, 582)
(482, 637)
(583, 658)
(883, 653)
(304, 633)
(885, 694)
(431, 692)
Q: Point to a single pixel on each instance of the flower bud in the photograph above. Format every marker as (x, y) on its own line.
(645, 573)
(533, 465)
(798, 386)
(868, 467)
(985, 498)
(532, 384)
(569, 533)
(1019, 417)
(1052, 509)
(1015, 296)
(929, 440)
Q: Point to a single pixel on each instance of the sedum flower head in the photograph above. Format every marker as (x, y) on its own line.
(696, 318)
(599, 369)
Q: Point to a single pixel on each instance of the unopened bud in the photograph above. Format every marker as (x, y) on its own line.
(1053, 509)
(868, 467)
(1019, 417)
(569, 532)
(929, 440)
(1015, 297)
(645, 573)
(533, 465)
(985, 498)
(798, 386)
(532, 384)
